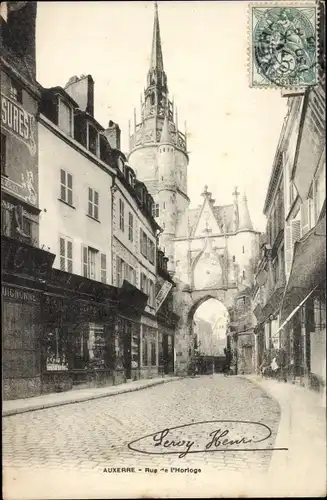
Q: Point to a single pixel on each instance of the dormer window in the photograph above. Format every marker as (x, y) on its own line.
(131, 179)
(121, 165)
(92, 139)
(65, 117)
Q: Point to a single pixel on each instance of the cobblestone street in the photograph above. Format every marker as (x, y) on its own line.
(95, 434)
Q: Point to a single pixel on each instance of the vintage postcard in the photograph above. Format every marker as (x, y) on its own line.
(163, 236)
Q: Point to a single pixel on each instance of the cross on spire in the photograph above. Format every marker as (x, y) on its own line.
(235, 193)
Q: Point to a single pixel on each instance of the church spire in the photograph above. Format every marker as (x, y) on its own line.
(156, 52)
(244, 221)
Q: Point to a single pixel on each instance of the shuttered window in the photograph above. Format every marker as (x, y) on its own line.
(288, 248)
(103, 261)
(130, 227)
(66, 254)
(66, 187)
(305, 217)
(121, 215)
(296, 231)
(93, 204)
(84, 263)
(89, 262)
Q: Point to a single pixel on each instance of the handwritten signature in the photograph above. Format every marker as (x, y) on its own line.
(205, 436)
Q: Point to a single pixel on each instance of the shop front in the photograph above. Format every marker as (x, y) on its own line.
(167, 322)
(149, 347)
(88, 333)
(25, 270)
(303, 311)
(128, 332)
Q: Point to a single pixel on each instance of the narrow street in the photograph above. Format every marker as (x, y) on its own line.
(95, 435)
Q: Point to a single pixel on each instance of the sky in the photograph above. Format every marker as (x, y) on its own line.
(215, 313)
(233, 130)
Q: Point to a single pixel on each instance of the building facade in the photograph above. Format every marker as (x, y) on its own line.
(134, 259)
(291, 312)
(23, 264)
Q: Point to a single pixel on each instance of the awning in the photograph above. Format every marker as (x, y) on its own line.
(308, 268)
(295, 311)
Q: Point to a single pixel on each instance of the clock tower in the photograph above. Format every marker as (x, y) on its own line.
(158, 150)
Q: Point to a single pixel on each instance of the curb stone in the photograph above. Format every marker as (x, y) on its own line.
(9, 413)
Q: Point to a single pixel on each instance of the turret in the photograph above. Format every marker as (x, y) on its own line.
(235, 209)
(244, 222)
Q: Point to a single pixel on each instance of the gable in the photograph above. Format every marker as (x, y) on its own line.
(206, 220)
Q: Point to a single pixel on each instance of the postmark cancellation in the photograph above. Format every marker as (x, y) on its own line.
(283, 45)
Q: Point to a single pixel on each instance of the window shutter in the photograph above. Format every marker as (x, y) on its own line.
(84, 261)
(103, 268)
(304, 217)
(296, 231)
(288, 248)
(69, 256)
(69, 189)
(118, 265)
(62, 254)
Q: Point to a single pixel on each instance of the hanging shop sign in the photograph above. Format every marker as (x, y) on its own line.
(162, 294)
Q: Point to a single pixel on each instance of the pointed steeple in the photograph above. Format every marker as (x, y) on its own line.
(165, 134)
(156, 52)
(244, 221)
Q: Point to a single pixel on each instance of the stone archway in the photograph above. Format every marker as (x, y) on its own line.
(187, 301)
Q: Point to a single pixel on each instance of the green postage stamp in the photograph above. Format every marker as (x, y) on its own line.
(283, 44)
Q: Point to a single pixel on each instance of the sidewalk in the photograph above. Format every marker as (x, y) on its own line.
(16, 406)
(300, 471)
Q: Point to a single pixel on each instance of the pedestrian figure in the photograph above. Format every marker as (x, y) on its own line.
(227, 363)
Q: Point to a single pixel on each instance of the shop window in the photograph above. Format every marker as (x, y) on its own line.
(3, 153)
(130, 226)
(65, 117)
(135, 347)
(103, 260)
(121, 215)
(90, 256)
(56, 349)
(144, 346)
(93, 205)
(16, 91)
(66, 254)
(95, 354)
(153, 352)
(66, 187)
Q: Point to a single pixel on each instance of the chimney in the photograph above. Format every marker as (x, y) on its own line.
(112, 134)
(82, 91)
(18, 25)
